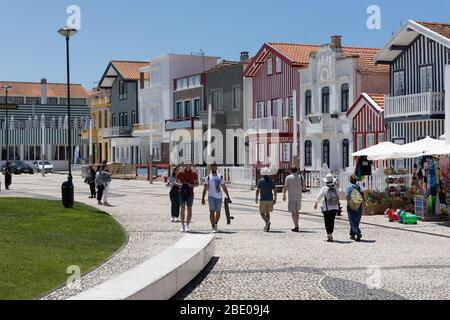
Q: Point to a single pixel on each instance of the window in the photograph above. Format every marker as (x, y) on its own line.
(121, 121)
(399, 83)
(34, 100)
(380, 137)
(370, 140)
(286, 152)
(217, 100)
(291, 107)
(113, 120)
(308, 102)
(133, 118)
(260, 110)
(52, 101)
(106, 118)
(326, 153)
(346, 153)
(194, 81)
(359, 142)
(197, 107)
(326, 100)
(308, 153)
(123, 94)
(261, 152)
(426, 79)
(236, 98)
(278, 65)
(277, 108)
(187, 109)
(269, 66)
(178, 112)
(100, 120)
(345, 92)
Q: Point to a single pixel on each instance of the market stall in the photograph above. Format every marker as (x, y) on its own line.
(423, 190)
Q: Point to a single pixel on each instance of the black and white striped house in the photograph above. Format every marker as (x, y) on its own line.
(417, 54)
(37, 121)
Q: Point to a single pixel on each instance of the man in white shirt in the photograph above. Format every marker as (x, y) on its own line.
(214, 185)
(295, 185)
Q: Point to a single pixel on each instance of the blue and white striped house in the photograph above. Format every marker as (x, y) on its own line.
(417, 54)
(37, 121)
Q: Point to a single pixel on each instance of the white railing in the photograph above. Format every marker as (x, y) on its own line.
(117, 132)
(430, 103)
(232, 175)
(271, 124)
(375, 182)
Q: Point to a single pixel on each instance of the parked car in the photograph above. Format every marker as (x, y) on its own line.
(19, 167)
(48, 166)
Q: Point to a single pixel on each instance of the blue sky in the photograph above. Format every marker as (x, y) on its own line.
(139, 29)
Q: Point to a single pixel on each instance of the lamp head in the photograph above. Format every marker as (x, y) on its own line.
(67, 32)
(6, 87)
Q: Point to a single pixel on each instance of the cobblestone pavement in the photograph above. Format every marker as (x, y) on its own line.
(407, 262)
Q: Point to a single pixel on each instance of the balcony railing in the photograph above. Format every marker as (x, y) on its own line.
(430, 103)
(117, 132)
(283, 125)
(176, 124)
(320, 123)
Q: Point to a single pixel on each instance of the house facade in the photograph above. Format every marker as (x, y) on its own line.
(417, 56)
(100, 104)
(334, 78)
(122, 79)
(157, 102)
(37, 122)
(366, 116)
(272, 83)
(224, 93)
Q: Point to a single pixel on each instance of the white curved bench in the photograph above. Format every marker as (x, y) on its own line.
(161, 277)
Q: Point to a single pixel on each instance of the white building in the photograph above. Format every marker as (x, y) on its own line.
(156, 99)
(333, 79)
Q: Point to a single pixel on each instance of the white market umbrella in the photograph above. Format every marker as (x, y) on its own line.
(382, 151)
(427, 146)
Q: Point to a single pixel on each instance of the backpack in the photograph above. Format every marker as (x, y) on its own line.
(332, 197)
(356, 199)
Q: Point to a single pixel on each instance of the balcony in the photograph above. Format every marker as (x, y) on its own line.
(117, 132)
(320, 123)
(423, 104)
(282, 125)
(177, 124)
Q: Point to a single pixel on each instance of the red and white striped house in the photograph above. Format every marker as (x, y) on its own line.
(367, 118)
(274, 85)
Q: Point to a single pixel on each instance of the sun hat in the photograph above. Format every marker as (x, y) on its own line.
(329, 179)
(268, 172)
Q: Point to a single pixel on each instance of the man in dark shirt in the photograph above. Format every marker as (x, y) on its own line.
(266, 196)
(188, 179)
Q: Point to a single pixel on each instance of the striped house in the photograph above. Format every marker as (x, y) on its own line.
(37, 118)
(273, 79)
(417, 55)
(367, 118)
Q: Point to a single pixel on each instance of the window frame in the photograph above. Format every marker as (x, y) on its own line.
(269, 62)
(326, 155)
(236, 92)
(429, 74)
(345, 97)
(308, 102)
(278, 65)
(401, 91)
(326, 93)
(345, 153)
(123, 90)
(308, 153)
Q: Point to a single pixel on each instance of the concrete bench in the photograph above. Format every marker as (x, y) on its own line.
(161, 277)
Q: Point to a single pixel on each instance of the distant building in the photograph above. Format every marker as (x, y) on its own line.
(122, 79)
(100, 104)
(34, 107)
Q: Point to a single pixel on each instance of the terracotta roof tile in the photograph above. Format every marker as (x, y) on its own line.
(378, 98)
(299, 54)
(54, 90)
(130, 69)
(441, 28)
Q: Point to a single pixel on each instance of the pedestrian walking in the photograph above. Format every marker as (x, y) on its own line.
(266, 196)
(106, 177)
(213, 186)
(8, 174)
(294, 186)
(90, 180)
(188, 180)
(330, 204)
(355, 199)
(99, 183)
(174, 195)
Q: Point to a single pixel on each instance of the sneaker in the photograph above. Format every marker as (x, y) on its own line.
(216, 229)
(330, 239)
(296, 230)
(358, 238)
(173, 220)
(183, 228)
(177, 220)
(352, 238)
(267, 229)
(100, 203)
(186, 227)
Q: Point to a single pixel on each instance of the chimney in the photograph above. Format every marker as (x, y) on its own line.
(336, 41)
(43, 91)
(245, 56)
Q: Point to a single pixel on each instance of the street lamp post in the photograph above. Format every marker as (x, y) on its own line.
(7, 88)
(67, 187)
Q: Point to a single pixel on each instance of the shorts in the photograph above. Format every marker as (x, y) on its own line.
(189, 202)
(215, 205)
(295, 206)
(265, 206)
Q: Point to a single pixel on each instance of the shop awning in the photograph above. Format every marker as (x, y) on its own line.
(427, 146)
(382, 151)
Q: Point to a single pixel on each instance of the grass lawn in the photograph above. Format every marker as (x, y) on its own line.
(39, 240)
